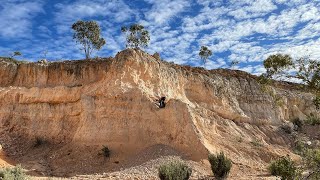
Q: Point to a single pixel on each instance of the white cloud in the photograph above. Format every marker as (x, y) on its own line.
(163, 11)
(252, 9)
(246, 31)
(16, 18)
(113, 11)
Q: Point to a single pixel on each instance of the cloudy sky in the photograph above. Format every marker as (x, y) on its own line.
(235, 30)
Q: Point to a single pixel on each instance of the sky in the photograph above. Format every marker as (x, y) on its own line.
(247, 31)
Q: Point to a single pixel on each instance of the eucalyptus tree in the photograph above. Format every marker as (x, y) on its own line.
(204, 54)
(136, 36)
(304, 69)
(87, 33)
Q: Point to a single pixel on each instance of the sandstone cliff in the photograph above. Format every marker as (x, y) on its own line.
(78, 106)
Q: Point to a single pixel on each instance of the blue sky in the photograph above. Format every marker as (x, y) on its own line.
(243, 30)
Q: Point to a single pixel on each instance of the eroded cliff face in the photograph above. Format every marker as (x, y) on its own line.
(112, 102)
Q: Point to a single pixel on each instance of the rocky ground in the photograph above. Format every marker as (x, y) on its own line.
(144, 166)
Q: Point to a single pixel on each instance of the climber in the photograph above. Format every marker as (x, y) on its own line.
(162, 104)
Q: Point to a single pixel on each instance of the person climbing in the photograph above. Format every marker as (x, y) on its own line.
(162, 104)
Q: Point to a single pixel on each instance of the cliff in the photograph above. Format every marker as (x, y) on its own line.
(78, 106)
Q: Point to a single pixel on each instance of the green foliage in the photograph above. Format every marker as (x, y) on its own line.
(87, 33)
(264, 80)
(299, 147)
(106, 151)
(308, 72)
(220, 165)
(312, 163)
(277, 63)
(205, 53)
(304, 69)
(137, 36)
(15, 173)
(316, 102)
(284, 168)
(174, 171)
(312, 120)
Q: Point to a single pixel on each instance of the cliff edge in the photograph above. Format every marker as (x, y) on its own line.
(76, 107)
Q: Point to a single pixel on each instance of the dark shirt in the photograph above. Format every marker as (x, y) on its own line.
(162, 104)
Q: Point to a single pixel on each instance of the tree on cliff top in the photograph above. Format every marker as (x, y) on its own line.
(15, 53)
(277, 63)
(137, 36)
(304, 69)
(205, 53)
(87, 33)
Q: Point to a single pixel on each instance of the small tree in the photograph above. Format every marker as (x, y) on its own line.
(137, 36)
(277, 63)
(204, 54)
(308, 72)
(234, 63)
(87, 33)
(106, 151)
(220, 165)
(15, 53)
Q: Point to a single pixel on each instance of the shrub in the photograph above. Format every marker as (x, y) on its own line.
(256, 142)
(39, 141)
(312, 120)
(312, 163)
(106, 151)
(299, 147)
(284, 168)
(15, 173)
(220, 165)
(298, 122)
(174, 171)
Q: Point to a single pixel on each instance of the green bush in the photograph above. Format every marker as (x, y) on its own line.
(174, 171)
(220, 165)
(15, 173)
(284, 168)
(312, 163)
(106, 151)
(313, 120)
(299, 147)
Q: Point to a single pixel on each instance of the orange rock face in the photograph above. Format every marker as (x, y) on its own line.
(112, 102)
